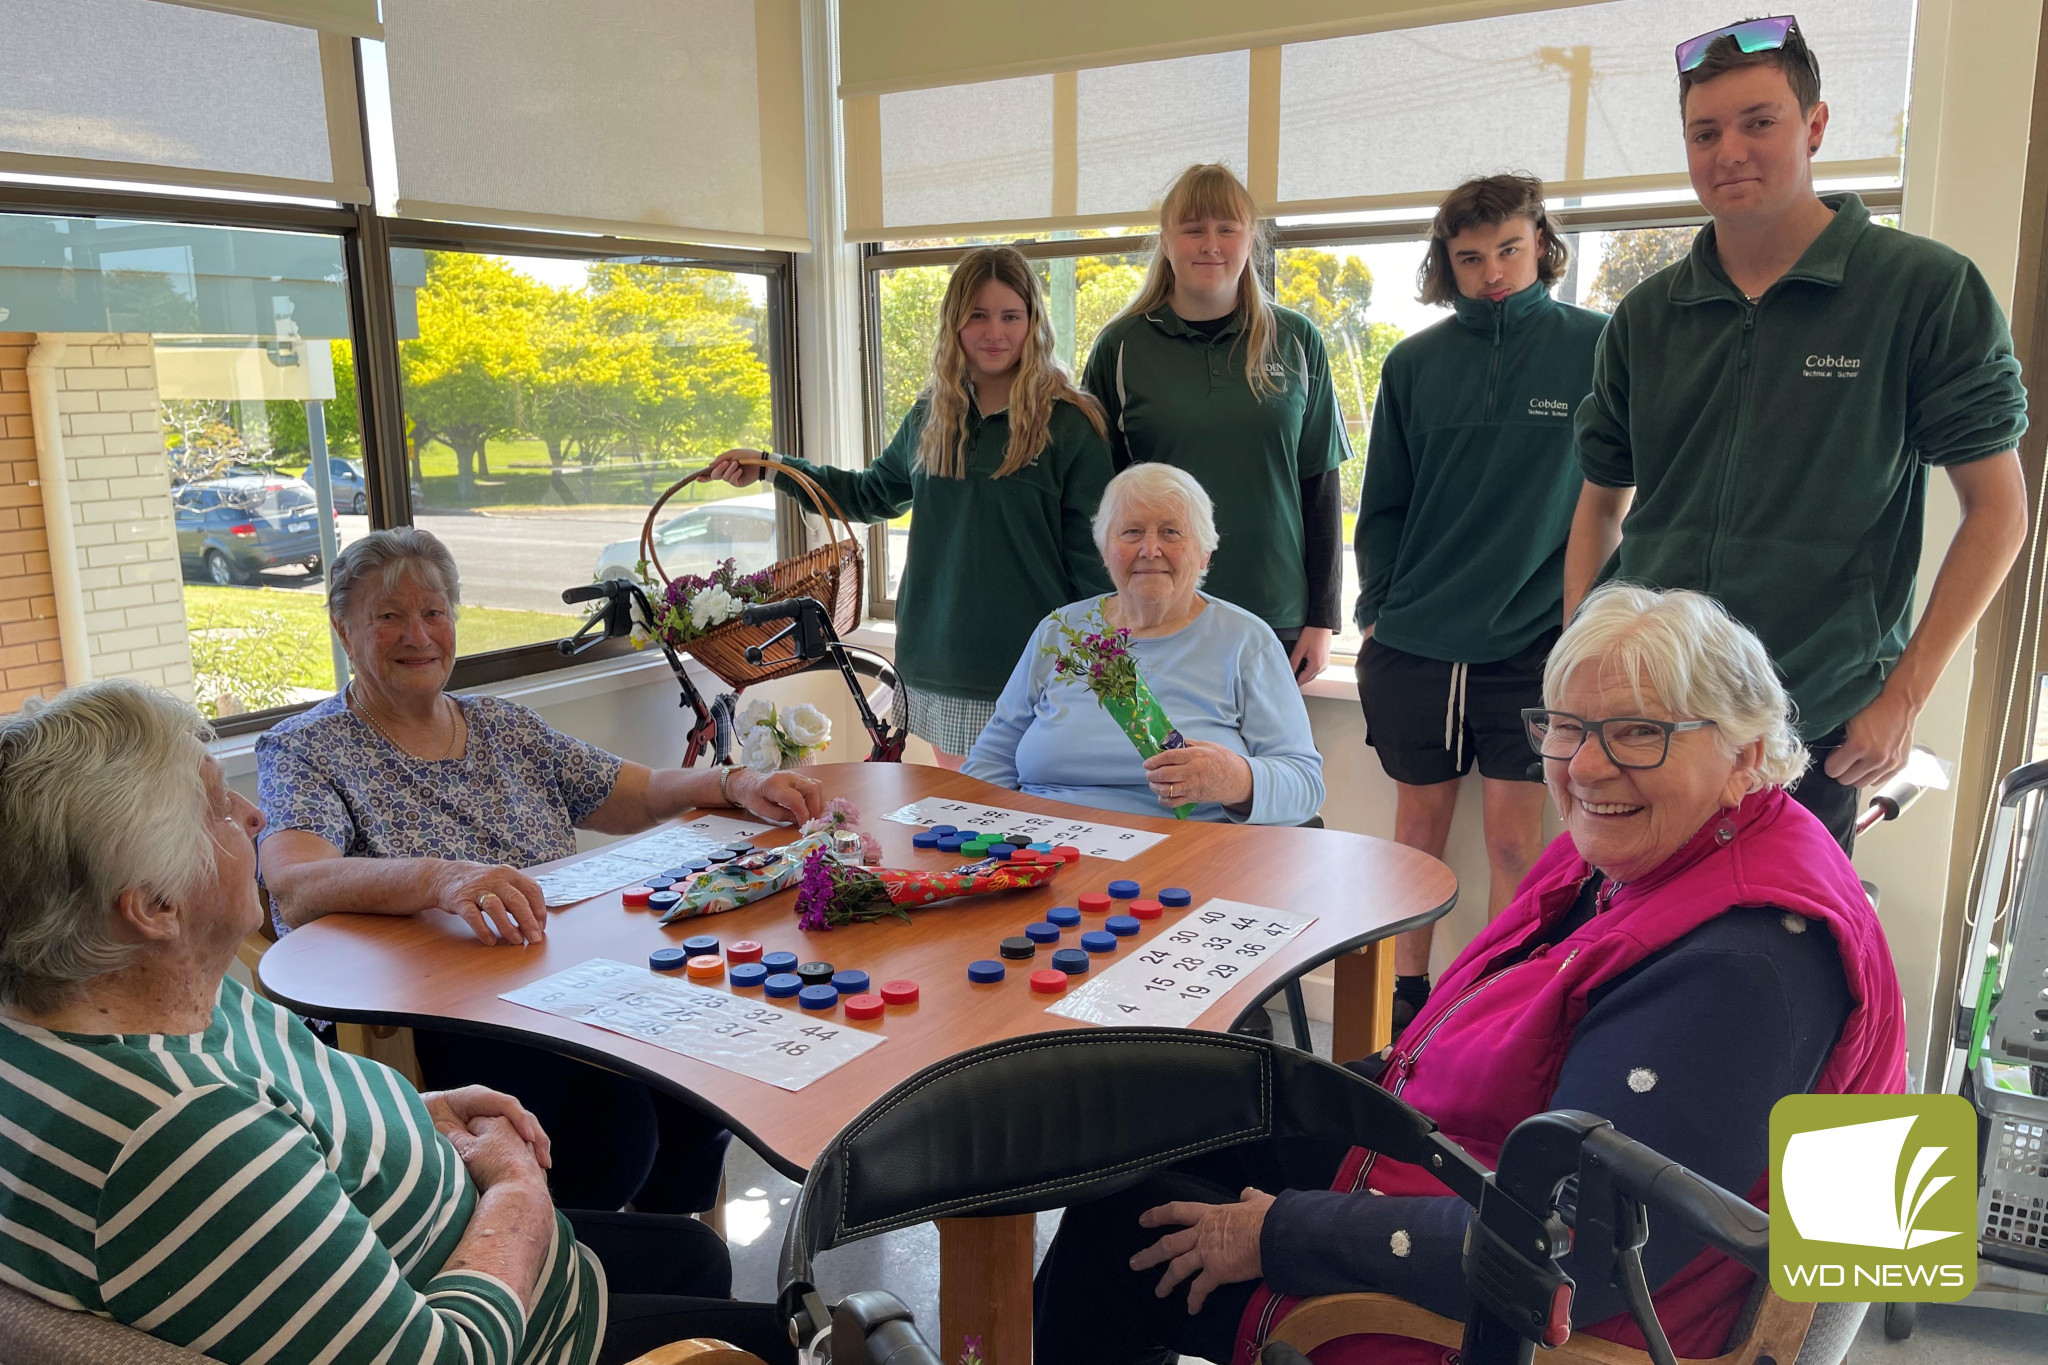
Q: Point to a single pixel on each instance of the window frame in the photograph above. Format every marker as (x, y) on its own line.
(366, 239)
(1407, 226)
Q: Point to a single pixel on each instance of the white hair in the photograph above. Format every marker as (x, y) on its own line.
(1703, 663)
(1151, 484)
(392, 555)
(100, 791)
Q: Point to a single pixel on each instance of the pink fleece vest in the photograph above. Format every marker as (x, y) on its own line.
(1485, 1053)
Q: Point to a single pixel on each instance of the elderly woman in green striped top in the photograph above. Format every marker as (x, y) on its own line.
(183, 1156)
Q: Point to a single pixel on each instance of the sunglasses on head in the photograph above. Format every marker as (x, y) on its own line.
(1751, 35)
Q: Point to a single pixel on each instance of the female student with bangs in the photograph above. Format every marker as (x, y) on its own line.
(1204, 372)
(1002, 461)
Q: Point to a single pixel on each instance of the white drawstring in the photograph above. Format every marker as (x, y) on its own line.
(1454, 715)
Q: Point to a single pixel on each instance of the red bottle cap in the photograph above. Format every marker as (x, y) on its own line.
(635, 897)
(1048, 982)
(1068, 852)
(863, 1006)
(746, 950)
(1147, 909)
(899, 992)
(1023, 855)
(1094, 903)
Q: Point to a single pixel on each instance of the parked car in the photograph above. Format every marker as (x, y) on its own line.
(694, 541)
(230, 529)
(350, 488)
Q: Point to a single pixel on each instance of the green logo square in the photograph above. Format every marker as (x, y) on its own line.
(1873, 1198)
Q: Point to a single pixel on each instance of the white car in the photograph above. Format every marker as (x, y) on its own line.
(696, 539)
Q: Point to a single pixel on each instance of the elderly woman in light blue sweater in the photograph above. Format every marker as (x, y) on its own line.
(1219, 672)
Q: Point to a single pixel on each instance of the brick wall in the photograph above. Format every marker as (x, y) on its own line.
(31, 660)
(121, 509)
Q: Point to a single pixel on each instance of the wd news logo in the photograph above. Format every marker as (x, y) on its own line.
(1873, 1198)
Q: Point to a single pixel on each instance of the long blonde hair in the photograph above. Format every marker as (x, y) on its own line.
(1214, 191)
(1040, 381)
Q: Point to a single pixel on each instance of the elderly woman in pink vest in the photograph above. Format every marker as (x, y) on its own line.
(1692, 948)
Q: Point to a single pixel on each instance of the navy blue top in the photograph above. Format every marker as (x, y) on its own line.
(1687, 1051)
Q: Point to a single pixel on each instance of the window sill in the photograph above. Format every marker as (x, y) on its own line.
(237, 754)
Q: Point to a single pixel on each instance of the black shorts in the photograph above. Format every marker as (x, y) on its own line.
(1430, 720)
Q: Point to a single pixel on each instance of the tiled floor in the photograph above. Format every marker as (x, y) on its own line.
(907, 1264)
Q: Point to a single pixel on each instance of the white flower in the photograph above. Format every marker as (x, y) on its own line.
(759, 750)
(712, 607)
(805, 725)
(755, 712)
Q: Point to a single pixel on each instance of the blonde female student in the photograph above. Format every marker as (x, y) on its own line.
(1002, 459)
(1203, 371)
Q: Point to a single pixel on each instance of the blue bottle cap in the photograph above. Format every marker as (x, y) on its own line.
(740, 846)
(661, 883)
(945, 829)
(966, 834)
(950, 843)
(778, 962)
(678, 873)
(1123, 891)
(850, 982)
(721, 855)
(667, 959)
(661, 902)
(696, 945)
(784, 984)
(1039, 848)
(1042, 932)
(1176, 896)
(1123, 926)
(1095, 941)
(1065, 916)
(1072, 961)
(817, 997)
(747, 975)
(1001, 852)
(985, 969)
(928, 839)
(700, 864)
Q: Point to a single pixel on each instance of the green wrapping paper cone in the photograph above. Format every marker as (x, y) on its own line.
(1100, 659)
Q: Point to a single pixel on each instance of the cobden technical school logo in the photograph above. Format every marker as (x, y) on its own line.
(1873, 1198)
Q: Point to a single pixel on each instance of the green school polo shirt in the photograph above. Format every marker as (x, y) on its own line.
(1779, 449)
(989, 558)
(1470, 482)
(1182, 398)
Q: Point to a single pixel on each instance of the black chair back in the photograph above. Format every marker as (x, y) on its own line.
(1053, 1119)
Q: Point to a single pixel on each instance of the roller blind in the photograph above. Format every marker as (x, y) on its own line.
(678, 120)
(351, 18)
(142, 90)
(1585, 97)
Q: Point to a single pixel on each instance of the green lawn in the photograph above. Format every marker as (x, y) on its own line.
(519, 478)
(262, 643)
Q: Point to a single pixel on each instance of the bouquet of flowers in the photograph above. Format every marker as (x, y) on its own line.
(772, 737)
(694, 604)
(1100, 660)
(728, 886)
(834, 892)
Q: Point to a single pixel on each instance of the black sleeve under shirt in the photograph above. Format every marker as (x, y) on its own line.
(1322, 539)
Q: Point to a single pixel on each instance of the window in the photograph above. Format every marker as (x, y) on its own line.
(190, 377)
(550, 399)
(1082, 292)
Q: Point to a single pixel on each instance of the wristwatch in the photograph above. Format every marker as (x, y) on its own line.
(725, 771)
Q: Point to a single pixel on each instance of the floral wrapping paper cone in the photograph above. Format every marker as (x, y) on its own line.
(834, 893)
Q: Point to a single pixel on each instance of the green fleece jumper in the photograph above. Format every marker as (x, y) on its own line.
(1470, 479)
(989, 558)
(1779, 449)
(1180, 397)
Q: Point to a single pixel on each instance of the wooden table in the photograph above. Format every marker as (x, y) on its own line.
(429, 971)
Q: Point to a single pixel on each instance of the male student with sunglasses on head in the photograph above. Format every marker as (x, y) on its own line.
(1764, 412)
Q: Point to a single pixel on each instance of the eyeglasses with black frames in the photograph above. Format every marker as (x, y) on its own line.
(1629, 741)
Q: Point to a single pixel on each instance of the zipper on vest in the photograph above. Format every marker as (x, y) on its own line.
(1404, 1061)
(1500, 313)
(1728, 466)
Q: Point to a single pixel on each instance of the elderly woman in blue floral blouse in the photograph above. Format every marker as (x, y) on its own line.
(396, 798)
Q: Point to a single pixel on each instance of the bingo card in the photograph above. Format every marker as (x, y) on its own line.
(786, 1048)
(629, 861)
(1094, 841)
(1167, 979)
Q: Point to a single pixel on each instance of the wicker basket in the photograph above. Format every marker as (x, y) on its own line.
(832, 574)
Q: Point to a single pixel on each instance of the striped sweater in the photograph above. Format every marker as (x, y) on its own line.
(256, 1196)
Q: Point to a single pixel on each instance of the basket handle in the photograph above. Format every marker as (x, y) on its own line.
(821, 502)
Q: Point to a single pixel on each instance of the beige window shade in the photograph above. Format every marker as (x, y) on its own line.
(1585, 97)
(351, 18)
(140, 90)
(677, 120)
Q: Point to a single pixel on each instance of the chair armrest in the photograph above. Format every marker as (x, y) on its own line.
(1319, 1320)
(697, 1351)
(33, 1332)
